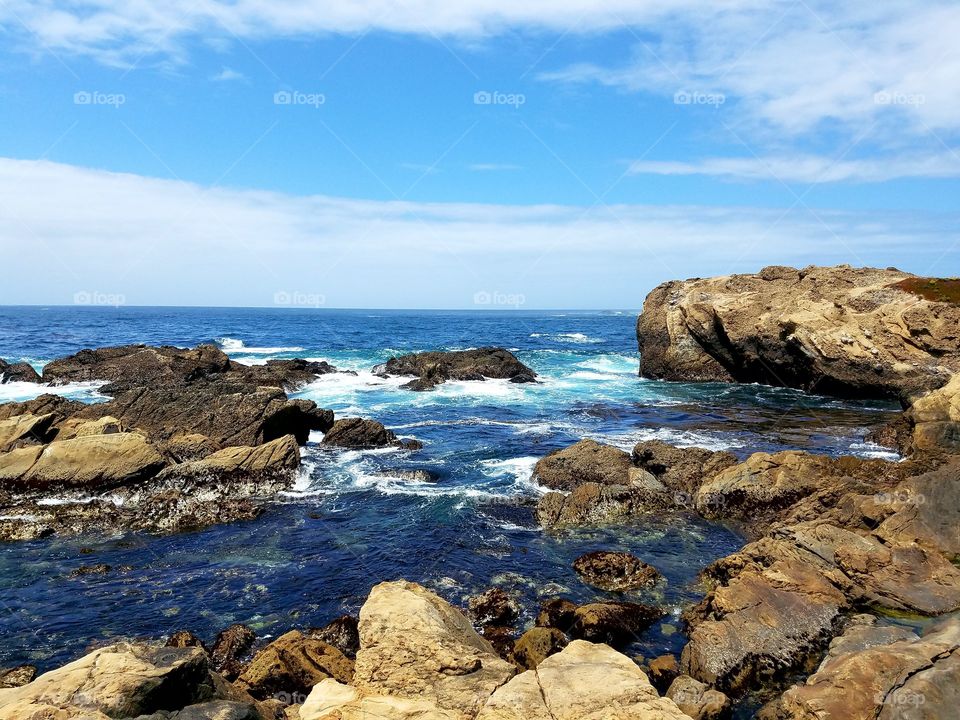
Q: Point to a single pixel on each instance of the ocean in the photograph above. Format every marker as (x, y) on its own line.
(349, 524)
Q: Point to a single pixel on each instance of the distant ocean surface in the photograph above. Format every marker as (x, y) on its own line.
(347, 525)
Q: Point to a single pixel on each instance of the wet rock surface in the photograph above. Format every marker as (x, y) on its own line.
(615, 571)
(434, 368)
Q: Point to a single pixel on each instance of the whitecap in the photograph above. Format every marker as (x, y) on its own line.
(232, 345)
(873, 451)
(22, 391)
(671, 436)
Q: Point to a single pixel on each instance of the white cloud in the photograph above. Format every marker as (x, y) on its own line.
(795, 68)
(493, 167)
(227, 75)
(808, 168)
(68, 229)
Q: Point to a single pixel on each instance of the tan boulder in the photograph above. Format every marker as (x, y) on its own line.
(584, 681)
(416, 647)
(536, 645)
(935, 418)
(23, 428)
(124, 680)
(93, 462)
(291, 665)
(586, 462)
(698, 700)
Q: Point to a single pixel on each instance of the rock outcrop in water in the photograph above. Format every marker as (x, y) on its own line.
(434, 368)
(17, 372)
(189, 438)
(831, 330)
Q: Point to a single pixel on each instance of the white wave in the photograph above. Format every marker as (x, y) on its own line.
(520, 470)
(570, 337)
(612, 364)
(873, 451)
(22, 391)
(677, 438)
(232, 345)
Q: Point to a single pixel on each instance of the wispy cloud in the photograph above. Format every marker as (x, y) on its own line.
(228, 75)
(493, 167)
(808, 168)
(166, 242)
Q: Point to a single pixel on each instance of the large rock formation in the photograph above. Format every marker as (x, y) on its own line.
(874, 678)
(127, 681)
(840, 331)
(433, 368)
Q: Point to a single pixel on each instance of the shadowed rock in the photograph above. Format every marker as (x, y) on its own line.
(433, 368)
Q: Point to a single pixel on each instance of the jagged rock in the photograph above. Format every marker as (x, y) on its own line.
(226, 414)
(287, 374)
(699, 701)
(123, 680)
(343, 633)
(842, 331)
(74, 427)
(662, 671)
(417, 655)
(45, 404)
(681, 470)
(586, 462)
(536, 645)
(910, 678)
(493, 607)
(557, 613)
(761, 624)
(133, 366)
(17, 372)
(357, 433)
(184, 639)
(17, 677)
(582, 682)
(274, 462)
(613, 623)
(433, 368)
(229, 649)
(95, 461)
(935, 419)
(189, 447)
(615, 571)
(293, 664)
(503, 639)
(27, 429)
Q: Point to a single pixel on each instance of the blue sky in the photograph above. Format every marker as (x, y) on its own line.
(410, 154)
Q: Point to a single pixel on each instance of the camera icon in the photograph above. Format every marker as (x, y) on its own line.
(883, 98)
(82, 98)
(282, 97)
(682, 97)
(82, 298)
(281, 298)
(482, 97)
(482, 298)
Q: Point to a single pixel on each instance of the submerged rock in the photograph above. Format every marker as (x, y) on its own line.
(229, 649)
(613, 623)
(433, 368)
(615, 571)
(494, 607)
(839, 331)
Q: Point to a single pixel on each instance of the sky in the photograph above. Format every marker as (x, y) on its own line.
(474, 154)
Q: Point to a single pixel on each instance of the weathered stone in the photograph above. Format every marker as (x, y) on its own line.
(840, 330)
(343, 633)
(17, 372)
(293, 664)
(699, 701)
(433, 368)
(229, 649)
(585, 462)
(557, 613)
(615, 571)
(493, 607)
(357, 433)
(536, 645)
(613, 623)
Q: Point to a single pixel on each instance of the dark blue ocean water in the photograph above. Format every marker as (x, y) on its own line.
(348, 525)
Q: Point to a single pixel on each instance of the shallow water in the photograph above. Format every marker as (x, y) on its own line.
(348, 524)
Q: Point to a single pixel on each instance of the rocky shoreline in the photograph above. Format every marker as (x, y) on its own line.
(799, 616)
